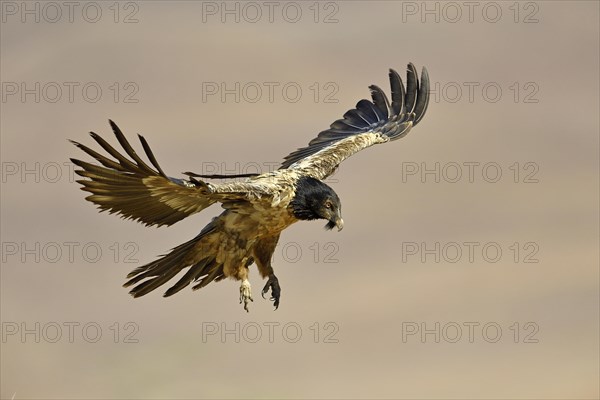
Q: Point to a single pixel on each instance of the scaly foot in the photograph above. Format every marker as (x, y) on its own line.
(245, 294)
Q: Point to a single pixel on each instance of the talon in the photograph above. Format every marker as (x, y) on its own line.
(273, 284)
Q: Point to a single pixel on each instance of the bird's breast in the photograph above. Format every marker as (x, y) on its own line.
(263, 219)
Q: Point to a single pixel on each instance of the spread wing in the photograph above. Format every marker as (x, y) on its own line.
(134, 190)
(371, 122)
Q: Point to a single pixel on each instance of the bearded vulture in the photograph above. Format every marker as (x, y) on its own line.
(257, 208)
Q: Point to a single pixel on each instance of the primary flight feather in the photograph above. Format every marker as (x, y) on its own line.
(258, 208)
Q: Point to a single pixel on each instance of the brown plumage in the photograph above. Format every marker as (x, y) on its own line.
(258, 208)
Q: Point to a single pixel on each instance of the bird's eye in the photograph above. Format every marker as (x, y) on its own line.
(328, 204)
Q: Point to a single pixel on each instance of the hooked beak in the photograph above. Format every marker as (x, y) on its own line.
(339, 222)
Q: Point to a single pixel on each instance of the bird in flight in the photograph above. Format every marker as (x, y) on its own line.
(257, 208)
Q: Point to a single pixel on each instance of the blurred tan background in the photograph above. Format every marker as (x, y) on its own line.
(375, 311)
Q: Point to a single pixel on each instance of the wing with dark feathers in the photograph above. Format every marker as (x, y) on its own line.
(371, 122)
(134, 190)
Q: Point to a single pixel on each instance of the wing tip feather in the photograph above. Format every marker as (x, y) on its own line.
(393, 121)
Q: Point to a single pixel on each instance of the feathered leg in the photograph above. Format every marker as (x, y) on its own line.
(245, 287)
(263, 253)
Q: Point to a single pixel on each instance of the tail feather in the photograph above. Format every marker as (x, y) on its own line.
(163, 264)
(215, 274)
(151, 284)
(155, 274)
(198, 269)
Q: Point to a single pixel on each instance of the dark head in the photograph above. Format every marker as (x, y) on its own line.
(316, 200)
